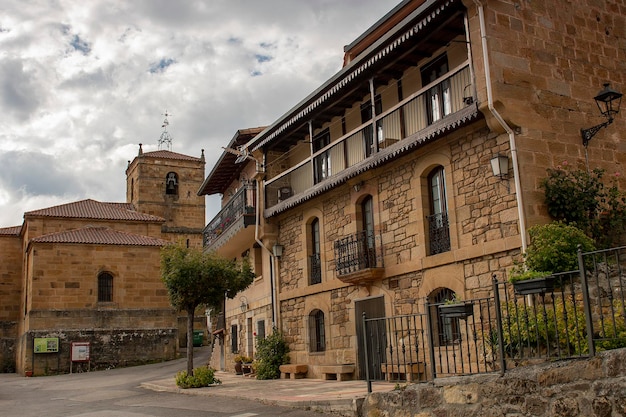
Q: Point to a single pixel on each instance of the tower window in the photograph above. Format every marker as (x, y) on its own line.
(171, 183)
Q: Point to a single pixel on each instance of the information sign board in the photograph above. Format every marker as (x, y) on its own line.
(46, 344)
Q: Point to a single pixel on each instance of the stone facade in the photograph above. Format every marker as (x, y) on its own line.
(92, 272)
(399, 145)
(533, 68)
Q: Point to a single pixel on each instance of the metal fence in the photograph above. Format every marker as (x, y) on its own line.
(566, 315)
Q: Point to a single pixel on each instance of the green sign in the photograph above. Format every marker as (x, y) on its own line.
(46, 344)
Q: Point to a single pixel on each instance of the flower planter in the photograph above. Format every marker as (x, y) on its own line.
(534, 286)
(460, 310)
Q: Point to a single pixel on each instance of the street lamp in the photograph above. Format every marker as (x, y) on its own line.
(608, 101)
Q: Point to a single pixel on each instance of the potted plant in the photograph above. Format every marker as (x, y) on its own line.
(532, 282)
(239, 361)
(456, 308)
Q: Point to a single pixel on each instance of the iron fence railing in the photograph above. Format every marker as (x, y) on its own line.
(566, 315)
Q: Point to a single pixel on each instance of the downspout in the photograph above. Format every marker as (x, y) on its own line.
(507, 128)
(273, 260)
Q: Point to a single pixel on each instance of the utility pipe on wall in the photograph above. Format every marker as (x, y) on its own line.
(507, 128)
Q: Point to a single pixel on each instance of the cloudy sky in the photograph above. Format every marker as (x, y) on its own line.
(82, 83)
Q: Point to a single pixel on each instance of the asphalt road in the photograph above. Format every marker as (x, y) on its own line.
(117, 393)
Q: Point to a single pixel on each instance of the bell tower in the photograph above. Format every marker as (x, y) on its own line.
(165, 184)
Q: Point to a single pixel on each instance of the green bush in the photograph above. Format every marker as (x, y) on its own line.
(272, 352)
(554, 247)
(584, 199)
(202, 377)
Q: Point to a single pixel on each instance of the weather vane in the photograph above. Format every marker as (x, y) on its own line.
(166, 139)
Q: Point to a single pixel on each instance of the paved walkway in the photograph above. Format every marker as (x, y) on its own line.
(314, 394)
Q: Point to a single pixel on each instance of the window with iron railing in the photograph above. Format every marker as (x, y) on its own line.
(438, 233)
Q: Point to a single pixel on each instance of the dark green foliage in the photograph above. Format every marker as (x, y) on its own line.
(582, 198)
(201, 377)
(554, 247)
(272, 352)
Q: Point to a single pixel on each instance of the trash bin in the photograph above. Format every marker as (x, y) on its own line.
(198, 337)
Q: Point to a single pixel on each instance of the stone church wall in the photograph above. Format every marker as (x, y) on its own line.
(110, 348)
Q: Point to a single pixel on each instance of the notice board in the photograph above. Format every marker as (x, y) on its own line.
(80, 351)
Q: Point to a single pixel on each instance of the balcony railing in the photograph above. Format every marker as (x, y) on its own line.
(396, 124)
(239, 211)
(315, 264)
(358, 258)
(438, 233)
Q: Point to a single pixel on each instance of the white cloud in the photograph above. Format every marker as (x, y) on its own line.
(83, 82)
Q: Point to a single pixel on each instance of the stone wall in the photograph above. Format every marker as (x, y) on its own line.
(110, 348)
(593, 387)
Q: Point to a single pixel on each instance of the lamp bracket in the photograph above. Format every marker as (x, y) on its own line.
(588, 134)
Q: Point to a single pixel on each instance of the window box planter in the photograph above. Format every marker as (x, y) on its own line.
(535, 285)
(459, 310)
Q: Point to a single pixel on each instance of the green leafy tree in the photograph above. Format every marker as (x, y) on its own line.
(195, 278)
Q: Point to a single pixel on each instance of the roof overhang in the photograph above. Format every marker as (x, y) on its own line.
(227, 170)
(407, 43)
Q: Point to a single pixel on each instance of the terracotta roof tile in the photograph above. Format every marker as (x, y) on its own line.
(170, 155)
(10, 231)
(99, 236)
(91, 209)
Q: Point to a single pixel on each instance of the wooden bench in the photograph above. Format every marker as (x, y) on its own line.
(293, 371)
(411, 371)
(337, 372)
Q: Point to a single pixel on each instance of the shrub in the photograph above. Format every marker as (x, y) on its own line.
(582, 198)
(554, 247)
(542, 327)
(272, 352)
(202, 377)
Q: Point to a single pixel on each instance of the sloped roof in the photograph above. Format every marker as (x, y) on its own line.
(92, 209)
(226, 170)
(170, 155)
(10, 231)
(99, 236)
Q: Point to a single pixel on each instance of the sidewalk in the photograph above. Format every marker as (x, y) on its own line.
(335, 397)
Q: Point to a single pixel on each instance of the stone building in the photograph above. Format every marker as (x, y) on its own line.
(89, 271)
(381, 186)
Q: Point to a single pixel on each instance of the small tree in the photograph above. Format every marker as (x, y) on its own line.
(194, 278)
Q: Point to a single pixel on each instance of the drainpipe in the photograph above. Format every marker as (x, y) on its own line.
(273, 260)
(507, 128)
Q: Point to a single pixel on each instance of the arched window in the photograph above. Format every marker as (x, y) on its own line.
(438, 226)
(105, 287)
(445, 329)
(171, 183)
(315, 262)
(317, 337)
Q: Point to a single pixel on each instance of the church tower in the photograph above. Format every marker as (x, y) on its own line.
(165, 184)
